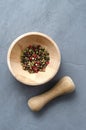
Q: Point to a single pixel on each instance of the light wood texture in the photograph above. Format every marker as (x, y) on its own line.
(64, 86)
(14, 52)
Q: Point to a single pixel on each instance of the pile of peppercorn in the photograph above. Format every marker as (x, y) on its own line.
(34, 58)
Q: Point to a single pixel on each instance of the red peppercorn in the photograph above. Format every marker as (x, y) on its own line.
(35, 69)
(30, 58)
(34, 55)
(47, 62)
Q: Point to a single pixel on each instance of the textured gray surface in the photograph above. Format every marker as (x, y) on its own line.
(65, 22)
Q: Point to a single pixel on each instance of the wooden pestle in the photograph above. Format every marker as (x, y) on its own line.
(64, 86)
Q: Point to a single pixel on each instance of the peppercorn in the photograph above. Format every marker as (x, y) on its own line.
(34, 58)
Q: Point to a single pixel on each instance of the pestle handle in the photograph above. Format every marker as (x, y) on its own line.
(64, 86)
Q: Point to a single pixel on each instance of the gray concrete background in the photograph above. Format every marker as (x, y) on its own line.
(65, 22)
